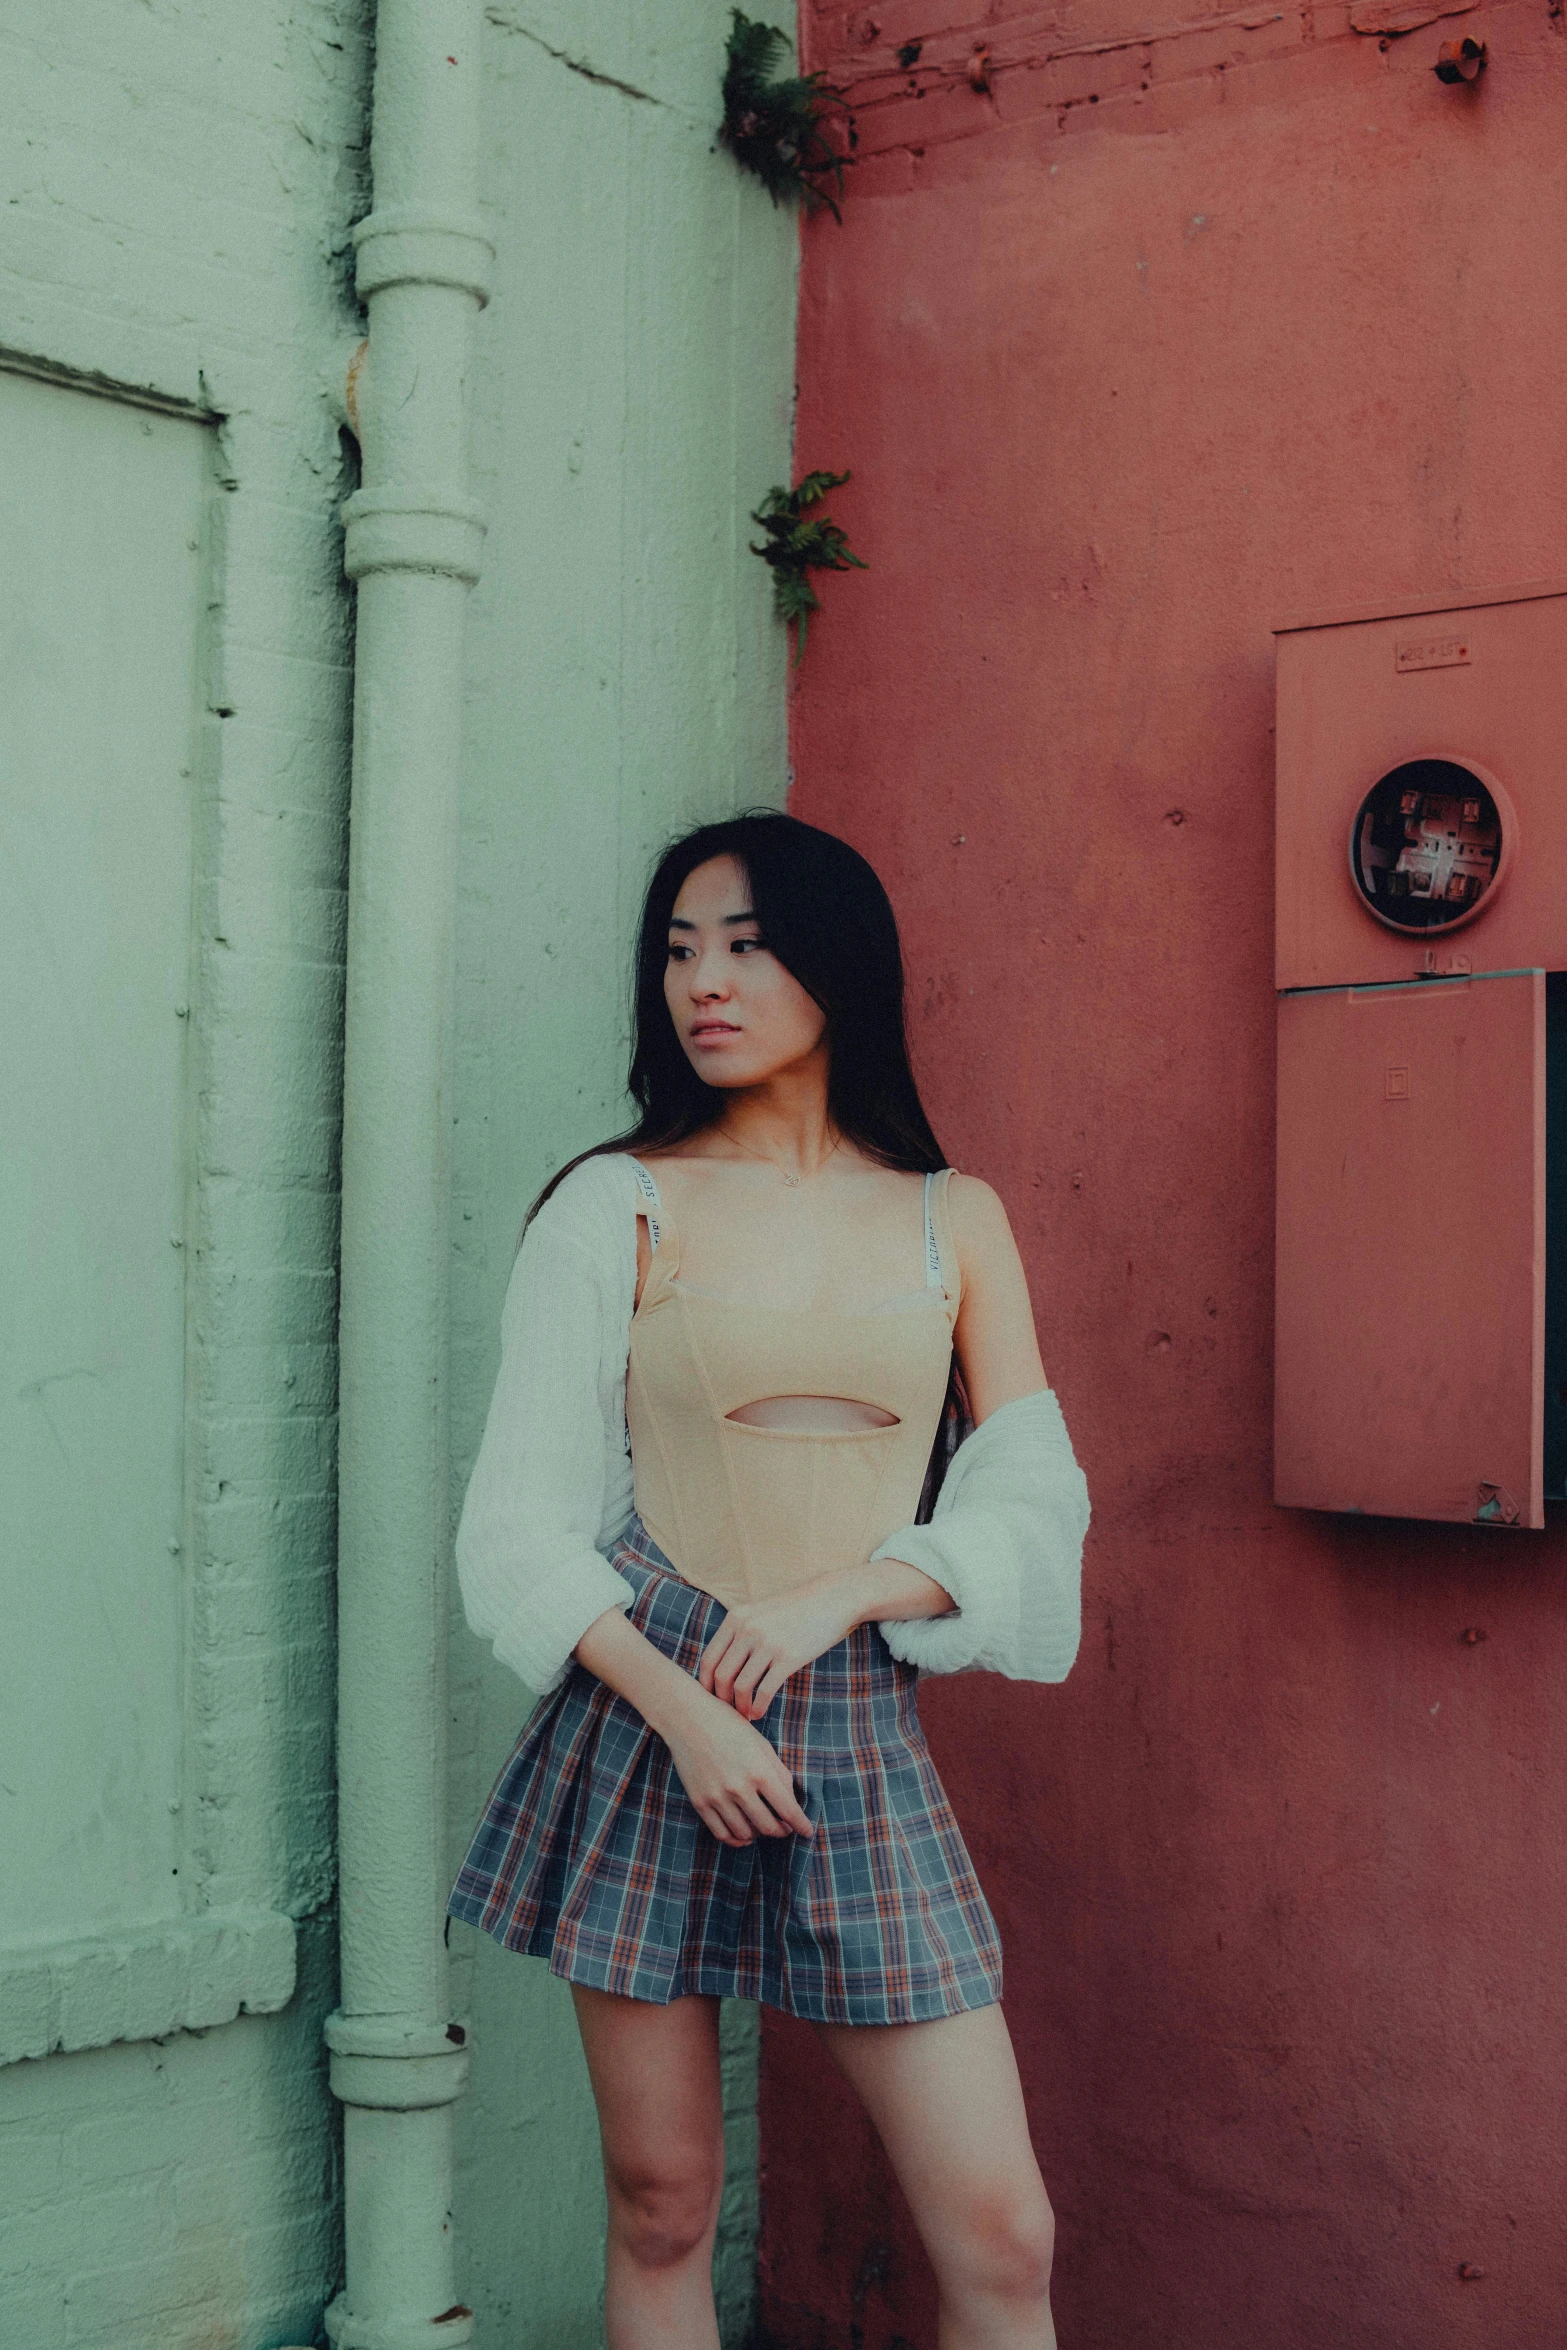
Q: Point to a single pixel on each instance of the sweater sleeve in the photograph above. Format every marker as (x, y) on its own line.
(550, 1484)
(1006, 1540)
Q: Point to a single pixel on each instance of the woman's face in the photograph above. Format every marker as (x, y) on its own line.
(741, 1017)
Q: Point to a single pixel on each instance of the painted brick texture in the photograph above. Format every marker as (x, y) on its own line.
(179, 182)
(181, 2192)
(178, 206)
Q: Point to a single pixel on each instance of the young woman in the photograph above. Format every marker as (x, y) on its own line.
(735, 1346)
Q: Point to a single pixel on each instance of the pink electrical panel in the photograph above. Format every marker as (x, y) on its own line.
(1421, 902)
(1410, 1309)
(1422, 784)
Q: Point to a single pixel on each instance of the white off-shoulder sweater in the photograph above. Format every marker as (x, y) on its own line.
(551, 1490)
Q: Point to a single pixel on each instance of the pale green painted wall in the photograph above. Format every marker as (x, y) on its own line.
(179, 178)
(634, 402)
(178, 198)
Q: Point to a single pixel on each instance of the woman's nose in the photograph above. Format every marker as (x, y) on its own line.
(709, 976)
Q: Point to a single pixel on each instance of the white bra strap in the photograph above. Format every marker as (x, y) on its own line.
(649, 1191)
(933, 1278)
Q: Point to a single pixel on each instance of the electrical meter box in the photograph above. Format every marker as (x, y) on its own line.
(1420, 1341)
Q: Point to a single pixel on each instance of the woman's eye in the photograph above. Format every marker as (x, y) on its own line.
(679, 952)
(744, 946)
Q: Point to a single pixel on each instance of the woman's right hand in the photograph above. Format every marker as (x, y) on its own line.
(733, 1777)
(735, 1780)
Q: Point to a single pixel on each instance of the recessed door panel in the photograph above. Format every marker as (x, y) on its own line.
(1411, 1250)
(100, 616)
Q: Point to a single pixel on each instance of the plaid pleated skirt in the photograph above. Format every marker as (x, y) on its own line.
(590, 1854)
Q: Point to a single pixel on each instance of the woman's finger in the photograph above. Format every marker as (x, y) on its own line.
(732, 1665)
(756, 1664)
(721, 1654)
(713, 1651)
(758, 1810)
(772, 1681)
(732, 1628)
(711, 1821)
(728, 1821)
(786, 1804)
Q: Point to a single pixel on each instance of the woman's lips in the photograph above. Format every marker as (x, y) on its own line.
(713, 1031)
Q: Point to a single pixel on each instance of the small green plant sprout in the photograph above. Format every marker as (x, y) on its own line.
(793, 547)
(775, 128)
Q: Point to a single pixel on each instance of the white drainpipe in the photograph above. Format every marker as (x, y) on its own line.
(412, 544)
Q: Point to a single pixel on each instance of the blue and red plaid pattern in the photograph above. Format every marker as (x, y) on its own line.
(590, 1854)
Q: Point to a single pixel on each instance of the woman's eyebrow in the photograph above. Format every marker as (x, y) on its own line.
(679, 922)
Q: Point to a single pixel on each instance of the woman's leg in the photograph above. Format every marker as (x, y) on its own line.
(948, 2107)
(661, 2119)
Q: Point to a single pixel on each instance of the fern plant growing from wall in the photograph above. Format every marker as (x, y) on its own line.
(774, 124)
(795, 546)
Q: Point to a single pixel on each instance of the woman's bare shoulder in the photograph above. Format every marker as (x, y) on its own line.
(976, 1210)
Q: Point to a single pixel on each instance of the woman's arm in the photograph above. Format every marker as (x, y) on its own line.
(534, 1580)
(758, 1645)
(736, 1781)
(1006, 1537)
(995, 1340)
(546, 1487)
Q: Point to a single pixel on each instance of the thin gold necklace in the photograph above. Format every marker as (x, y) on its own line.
(793, 1181)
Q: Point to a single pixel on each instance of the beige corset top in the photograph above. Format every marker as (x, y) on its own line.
(745, 1511)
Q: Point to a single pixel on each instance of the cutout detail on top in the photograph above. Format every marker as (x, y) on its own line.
(812, 1415)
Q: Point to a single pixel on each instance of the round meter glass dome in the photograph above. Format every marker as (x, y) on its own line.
(1427, 845)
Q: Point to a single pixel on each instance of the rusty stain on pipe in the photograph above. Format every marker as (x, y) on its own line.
(1461, 61)
(351, 388)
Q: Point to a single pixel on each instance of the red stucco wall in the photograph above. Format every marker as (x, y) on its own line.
(1279, 322)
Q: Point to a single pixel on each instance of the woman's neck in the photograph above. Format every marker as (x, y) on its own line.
(786, 1120)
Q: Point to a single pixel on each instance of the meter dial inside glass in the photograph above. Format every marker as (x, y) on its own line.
(1427, 845)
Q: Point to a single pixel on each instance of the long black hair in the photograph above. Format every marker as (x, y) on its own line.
(822, 911)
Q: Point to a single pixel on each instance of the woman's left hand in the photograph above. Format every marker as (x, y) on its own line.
(758, 1646)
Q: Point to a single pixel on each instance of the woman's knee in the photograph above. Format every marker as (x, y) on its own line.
(662, 2211)
(1006, 2247)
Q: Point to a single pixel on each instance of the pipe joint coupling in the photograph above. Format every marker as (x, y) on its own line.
(377, 2062)
(406, 246)
(346, 2331)
(412, 530)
